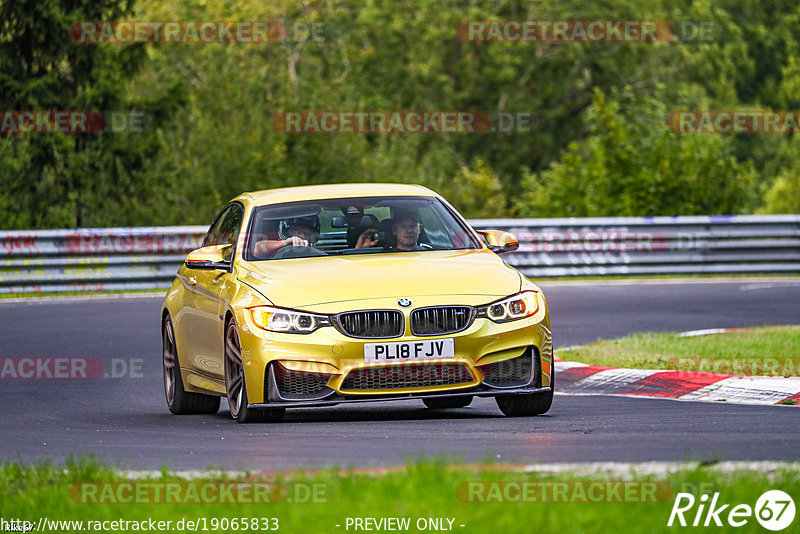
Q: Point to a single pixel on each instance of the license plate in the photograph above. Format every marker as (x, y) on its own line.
(406, 351)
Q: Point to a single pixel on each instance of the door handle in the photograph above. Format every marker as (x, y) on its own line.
(192, 280)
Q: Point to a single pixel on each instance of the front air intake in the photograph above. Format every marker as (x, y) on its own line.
(516, 372)
(397, 377)
(298, 385)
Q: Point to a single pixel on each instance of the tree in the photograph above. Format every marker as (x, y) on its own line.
(632, 164)
(69, 179)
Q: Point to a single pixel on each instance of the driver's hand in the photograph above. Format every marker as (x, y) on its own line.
(368, 238)
(295, 241)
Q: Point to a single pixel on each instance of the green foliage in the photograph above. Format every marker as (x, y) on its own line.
(211, 109)
(57, 180)
(784, 195)
(632, 164)
(476, 191)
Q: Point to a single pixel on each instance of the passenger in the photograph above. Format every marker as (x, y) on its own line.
(368, 238)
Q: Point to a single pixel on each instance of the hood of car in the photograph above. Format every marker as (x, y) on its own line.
(321, 282)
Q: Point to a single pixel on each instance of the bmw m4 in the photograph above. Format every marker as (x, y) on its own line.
(333, 294)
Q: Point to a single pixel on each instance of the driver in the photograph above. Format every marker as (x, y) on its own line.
(299, 232)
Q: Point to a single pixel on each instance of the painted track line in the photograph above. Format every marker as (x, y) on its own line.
(582, 379)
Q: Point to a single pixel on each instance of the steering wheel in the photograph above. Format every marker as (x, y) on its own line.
(297, 252)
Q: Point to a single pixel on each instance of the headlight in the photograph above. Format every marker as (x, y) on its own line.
(511, 308)
(289, 321)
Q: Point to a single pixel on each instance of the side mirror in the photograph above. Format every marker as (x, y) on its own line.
(499, 241)
(210, 258)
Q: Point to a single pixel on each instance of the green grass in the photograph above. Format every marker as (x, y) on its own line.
(759, 351)
(421, 490)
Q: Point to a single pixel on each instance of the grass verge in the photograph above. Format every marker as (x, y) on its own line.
(421, 491)
(758, 351)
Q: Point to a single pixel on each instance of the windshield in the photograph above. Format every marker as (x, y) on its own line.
(367, 225)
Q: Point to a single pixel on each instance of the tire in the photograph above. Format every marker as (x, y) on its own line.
(180, 401)
(528, 404)
(447, 402)
(236, 386)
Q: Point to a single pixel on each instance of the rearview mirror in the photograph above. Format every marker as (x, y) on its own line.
(499, 241)
(210, 258)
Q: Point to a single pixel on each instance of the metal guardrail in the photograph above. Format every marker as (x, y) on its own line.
(94, 259)
(107, 259)
(653, 245)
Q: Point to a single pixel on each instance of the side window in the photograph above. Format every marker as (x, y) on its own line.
(225, 229)
(230, 226)
(212, 237)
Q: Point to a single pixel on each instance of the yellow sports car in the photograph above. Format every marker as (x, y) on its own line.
(330, 294)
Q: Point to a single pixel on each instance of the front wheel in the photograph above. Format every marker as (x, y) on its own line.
(526, 404)
(237, 388)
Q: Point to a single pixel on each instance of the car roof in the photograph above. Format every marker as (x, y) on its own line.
(317, 192)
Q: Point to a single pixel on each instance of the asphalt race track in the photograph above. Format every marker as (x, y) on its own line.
(125, 420)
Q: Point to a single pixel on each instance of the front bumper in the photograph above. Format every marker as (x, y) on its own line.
(334, 357)
(338, 399)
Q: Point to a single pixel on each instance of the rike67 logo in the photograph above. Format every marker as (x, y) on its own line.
(774, 510)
